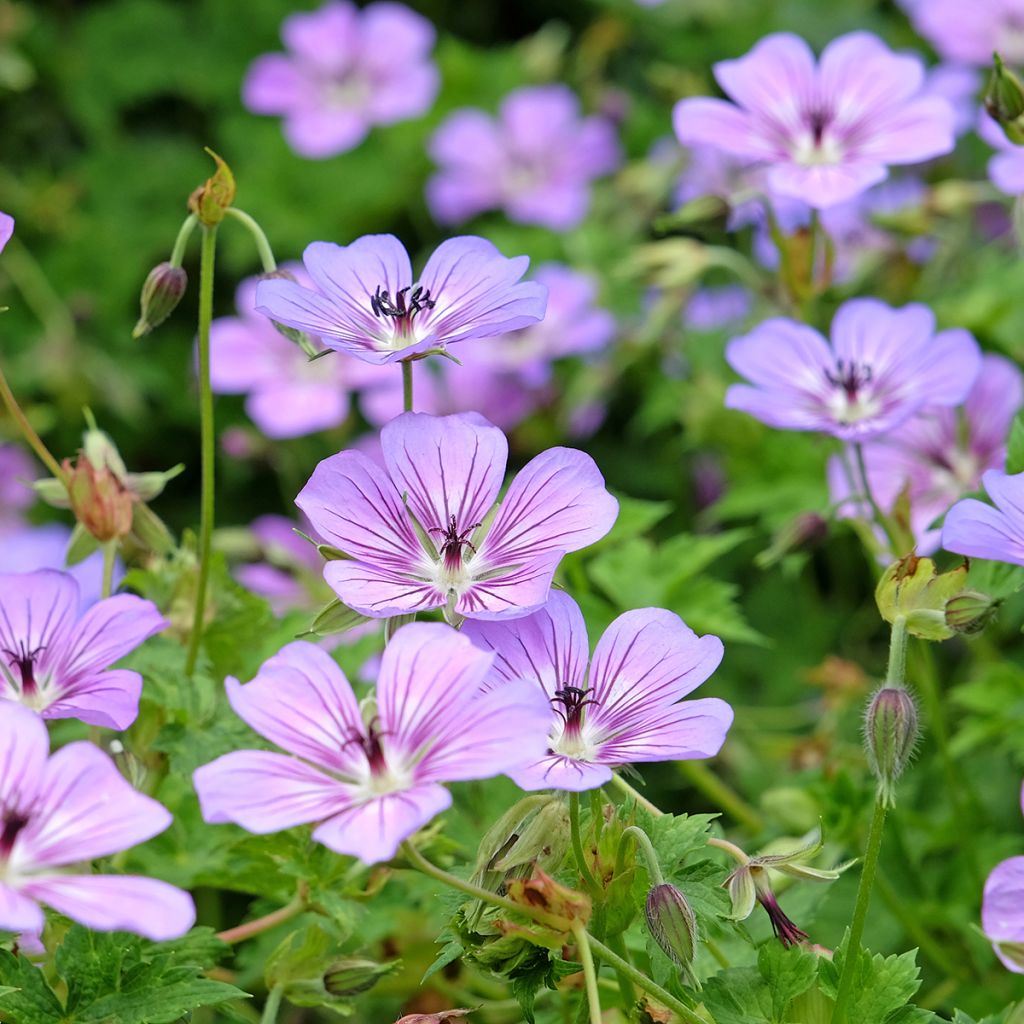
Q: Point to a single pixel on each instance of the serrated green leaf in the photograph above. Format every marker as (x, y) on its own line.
(787, 973)
(881, 985)
(30, 1000)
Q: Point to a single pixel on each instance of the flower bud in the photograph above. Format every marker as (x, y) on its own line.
(970, 612)
(211, 200)
(890, 734)
(565, 906)
(672, 924)
(98, 499)
(351, 976)
(1004, 101)
(162, 291)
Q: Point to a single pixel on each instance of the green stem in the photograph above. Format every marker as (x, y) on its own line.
(34, 440)
(268, 921)
(860, 913)
(617, 944)
(259, 237)
(643, 982)
(643, 840)
(109, 555)
(272, 1005)
(896, 671)
(879, 516)
(407, 385)
(208, 441)
(589, 973)
(722, 795)
(184, 234)
(577, 845)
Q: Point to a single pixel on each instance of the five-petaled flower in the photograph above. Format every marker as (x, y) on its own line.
(883, 366)
(369, 305)
(824, 131)
(625, 707)
(346, 69)
(978, 530)
(421, 533)
(61, 811)
(370, 779)
(58, 664)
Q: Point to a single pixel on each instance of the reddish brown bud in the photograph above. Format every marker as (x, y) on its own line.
(100, 502)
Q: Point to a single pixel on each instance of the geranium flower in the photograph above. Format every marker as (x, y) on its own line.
(971, 32)
(419, 534)
(824, 131)
(346, 70)
(978, 530)
(883, 366)
(535, 162)
(58, 664)
(1002, 911)
(59, 812)
(939, 455)
(369, 781)
(369, 305)
(625, 707)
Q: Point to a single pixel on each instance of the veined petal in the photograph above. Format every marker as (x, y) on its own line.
(1002, 907)
(18, 913)
(24, 745)
(946, 373)
(379, 592)
(447, 465)
(301, 700)
(106, 903)
(700, 122)
(373, 831)
(107, 699)
(782, 355)
(508, 593)
(265, 792)
(868, 331)
(557, 502)
(549, 647)
(1007, 491)
(690, 730)
(558, 772)
(37, 610)
(977, 530)
(86, 809)
(350, 275)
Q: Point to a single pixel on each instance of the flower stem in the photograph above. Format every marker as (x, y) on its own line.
(109, 555)
(407, 385)
(589, 973)
(208, 441)
(261, 924)
(896, 671)
(879, 516)
(860, 913)
(258, 236)
(184, 234)
(643, 840)
(34, 440)
(617, 944)
(272, 1005)
(577, 845)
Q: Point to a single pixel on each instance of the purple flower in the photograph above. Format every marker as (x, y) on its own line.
(288, 395)
(625, 707)
(1006, 167)
(978, 530)
(535, 162)
(17, 471)
(369, 305)
(969, 33)
(714, 308)
(883, 366)
(420, 534)
(369, 781)
(346, 70)
(61, 811)
(939, 455)
(281, 546)
(1002, 911)
(958, 85)
(827, 131)
(56, 663)
(6, 229)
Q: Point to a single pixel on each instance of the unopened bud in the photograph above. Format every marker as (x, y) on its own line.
(211, 200)
(564, 906)
(890, 734)
(162, 291)
(98, 499)
(970, 612)
(350, 977)
(672, 924)
(1004, 100)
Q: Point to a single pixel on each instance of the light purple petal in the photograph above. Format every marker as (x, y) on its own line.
(702, 122)
(1002, 908)
(326, 38)
(916, 131)
(558, 772)
(301, 701)
(107, 699)
(950, 368)
(1006, 171)
(37, 610)
(6, 229)
(512, 593)
(24, 745)
(292, 408)
(975, 529)
(321, 133)
(859, 73)
(379, 592)
(824, 185)
(995, 399)
(276, 84)
(114, 902)
(690, 730)
(557, 502)
(265, 792)
(374, 830)
(18, 913)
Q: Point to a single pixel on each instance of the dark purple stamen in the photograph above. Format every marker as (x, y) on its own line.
(787, 932)
(573, 700)
(11, 823)
(370, 744)
(819, 120)
(849, 376)
(407, 302)
(24, 659)
(454, 542)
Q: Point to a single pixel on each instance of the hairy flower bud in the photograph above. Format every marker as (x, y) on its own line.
(672, 924)
(100, 502)
(161, 292)
(352, 976)
(890, 734)
(1004, 101)
(970, 612)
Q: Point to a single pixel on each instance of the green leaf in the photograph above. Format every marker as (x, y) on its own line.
(27, 999)
(881, 985)
(738, 995)
(787, 973)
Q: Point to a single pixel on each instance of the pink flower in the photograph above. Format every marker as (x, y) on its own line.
(970, 32)
(624, 708)
(823, 131)
(346, 70)
(61, 811)
(369, 781)
(56, 663)
(6, 229)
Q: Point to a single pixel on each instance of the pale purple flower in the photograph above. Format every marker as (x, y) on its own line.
(824, 131)
(1006, 167)
(970, 32)
(58, 663)
(978, 530)
(369, 779)
(17, 471)
(6, 229)
(939, 455)
(368, 303)
(535, 162)
(61, 811)
(882, 367)
(624, 708)
(287, 558)
(1002, 911)
(346, 70)
(419, 534)
(288, 395)
(715, 307)
(959, 86)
